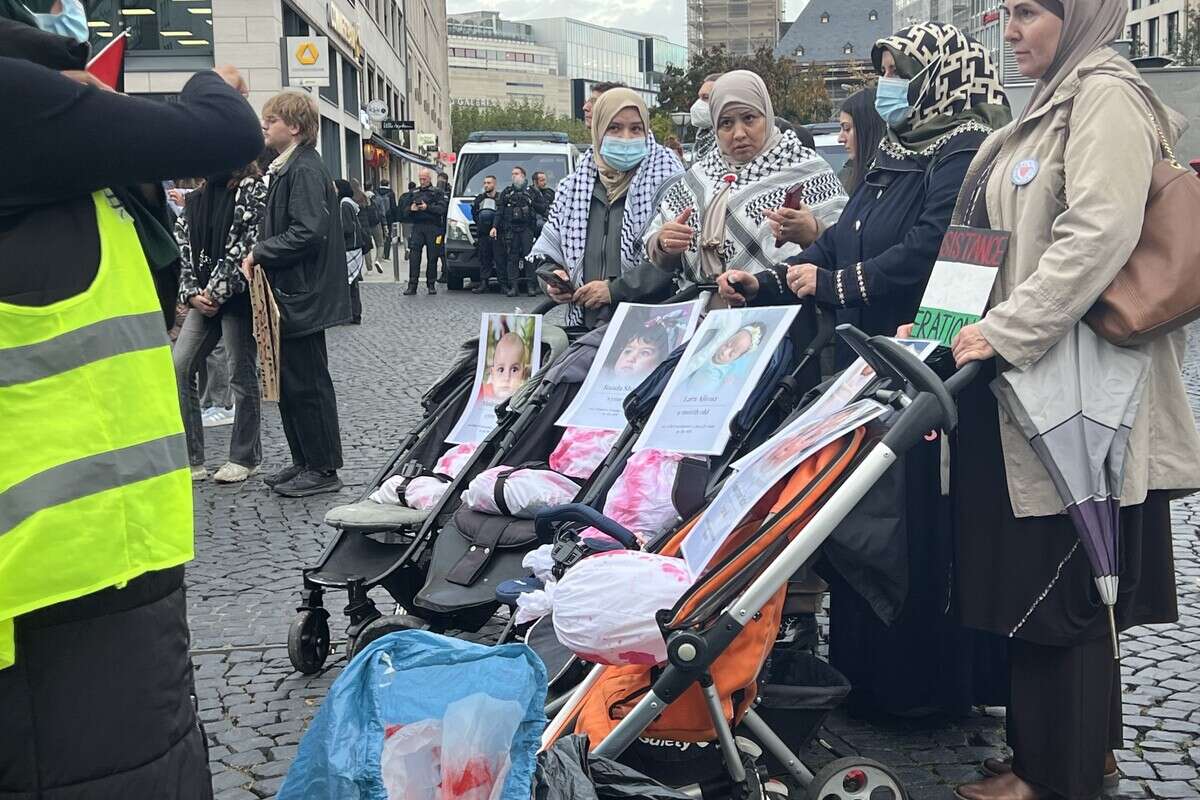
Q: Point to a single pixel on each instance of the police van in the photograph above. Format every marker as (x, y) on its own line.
(496, 153)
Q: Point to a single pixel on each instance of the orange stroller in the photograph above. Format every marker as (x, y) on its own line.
(721, 632)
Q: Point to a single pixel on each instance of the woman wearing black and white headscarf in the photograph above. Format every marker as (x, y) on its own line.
(940, 96)
(717, 216)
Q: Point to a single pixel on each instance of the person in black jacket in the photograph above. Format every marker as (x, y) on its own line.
(99, 703)
(541, 185)
(356, 241)
(384, 191)
(516, 224)
(301, 249)
(483, 211)
(426, 211)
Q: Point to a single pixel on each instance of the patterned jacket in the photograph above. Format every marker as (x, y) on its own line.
(226, 277)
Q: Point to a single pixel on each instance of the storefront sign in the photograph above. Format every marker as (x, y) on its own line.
(306, 60)
(344, 27)
(391, 125)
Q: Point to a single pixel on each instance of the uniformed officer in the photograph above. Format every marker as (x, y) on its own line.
(516, 223)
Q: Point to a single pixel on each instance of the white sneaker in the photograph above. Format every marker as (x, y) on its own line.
(216, 417)
(199, 473)
(233, 473)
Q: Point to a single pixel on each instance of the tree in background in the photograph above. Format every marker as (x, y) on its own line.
(516, 115)
(1187, 51)
(797, 91)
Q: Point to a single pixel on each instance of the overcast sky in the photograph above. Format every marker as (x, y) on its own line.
(666, 17)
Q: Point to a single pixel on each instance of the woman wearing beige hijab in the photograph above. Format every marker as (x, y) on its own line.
(1070, 180)
(594, 230)
(717, 216)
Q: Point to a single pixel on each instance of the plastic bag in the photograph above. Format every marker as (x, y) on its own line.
(375, 736)
(424, 492)
(535, 605)
(605, 606)
(640, 499)
(566, 771)
(580, 451)
(526, 491)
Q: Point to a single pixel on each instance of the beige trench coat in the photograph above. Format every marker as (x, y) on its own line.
(1073, 228)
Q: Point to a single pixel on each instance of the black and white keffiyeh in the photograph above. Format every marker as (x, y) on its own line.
(757, 187)
(564, 237)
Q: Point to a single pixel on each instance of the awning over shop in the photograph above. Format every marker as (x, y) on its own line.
(402, 152)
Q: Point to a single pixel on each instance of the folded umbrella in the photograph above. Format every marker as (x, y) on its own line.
(1076, 406)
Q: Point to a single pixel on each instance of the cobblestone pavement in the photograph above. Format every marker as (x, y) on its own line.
(251, 545)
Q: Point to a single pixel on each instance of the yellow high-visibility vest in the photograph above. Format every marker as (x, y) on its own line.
(94, 481)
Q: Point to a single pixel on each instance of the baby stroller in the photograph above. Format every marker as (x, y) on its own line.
(375, 543)
(720, 635)
(476, 555)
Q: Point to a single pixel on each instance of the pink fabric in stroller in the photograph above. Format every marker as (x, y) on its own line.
(581, 450)
(640, 500)
(423, 492)
(526, 491)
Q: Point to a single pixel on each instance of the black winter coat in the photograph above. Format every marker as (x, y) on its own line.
(436, 204)
(893, 226)
(301, 247)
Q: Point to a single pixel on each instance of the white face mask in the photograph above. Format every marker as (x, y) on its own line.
(71, 23)
(701, 115)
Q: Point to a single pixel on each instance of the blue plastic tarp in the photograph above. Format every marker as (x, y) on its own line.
(409, 683)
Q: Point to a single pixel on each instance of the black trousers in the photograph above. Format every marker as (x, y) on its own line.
(1064, 715)
(356, 300)
(307, 404)
(486, 248)
(518, 244)
(424, 237)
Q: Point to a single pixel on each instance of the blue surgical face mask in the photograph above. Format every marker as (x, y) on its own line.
(891, 100)
(623, 154)
(71, 23)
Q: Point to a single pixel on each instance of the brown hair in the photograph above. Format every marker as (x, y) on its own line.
(298, 110)
(604, 86)
(251, 170)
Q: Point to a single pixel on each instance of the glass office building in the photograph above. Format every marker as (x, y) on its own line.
(590, 51)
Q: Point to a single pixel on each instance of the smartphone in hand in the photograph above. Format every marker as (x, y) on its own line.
(549, 274)
(793, 199)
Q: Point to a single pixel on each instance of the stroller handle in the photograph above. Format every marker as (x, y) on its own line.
(543, 523)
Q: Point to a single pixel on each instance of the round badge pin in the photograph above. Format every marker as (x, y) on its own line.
(1024, 172)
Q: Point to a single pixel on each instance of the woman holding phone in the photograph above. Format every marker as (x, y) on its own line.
(591, 241)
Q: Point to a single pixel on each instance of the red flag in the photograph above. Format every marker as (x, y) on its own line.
(109, 64)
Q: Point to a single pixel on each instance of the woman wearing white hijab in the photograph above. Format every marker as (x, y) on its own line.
(717, 216)
(1070, 180)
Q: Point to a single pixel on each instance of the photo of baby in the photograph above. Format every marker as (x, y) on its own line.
(715, 378)
(638, 339)
(510, 351)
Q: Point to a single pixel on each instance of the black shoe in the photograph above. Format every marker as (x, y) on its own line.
(512, 292)
(309, 482)
(479, 290)
(356, 321)
(284, 475)
(410, 291)
(432, 290)
(441, 278)
(532, 292)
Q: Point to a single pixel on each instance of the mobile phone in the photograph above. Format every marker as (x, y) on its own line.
(549, 274)
(793, 199)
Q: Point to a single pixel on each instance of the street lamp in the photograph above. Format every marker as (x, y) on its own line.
(681, 120)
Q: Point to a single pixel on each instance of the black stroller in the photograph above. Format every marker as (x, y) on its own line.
(378, 544)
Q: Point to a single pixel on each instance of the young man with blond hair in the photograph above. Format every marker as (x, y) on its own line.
(301, 249)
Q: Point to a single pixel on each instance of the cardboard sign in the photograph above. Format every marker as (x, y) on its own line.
(961, 282)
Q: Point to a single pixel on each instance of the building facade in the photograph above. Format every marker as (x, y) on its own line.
(494, 62)
(838, 36)
(953, 12)
(370, 57)
(741, 27)
(1157, 26)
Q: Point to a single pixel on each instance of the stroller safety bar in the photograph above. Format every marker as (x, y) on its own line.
(544, 521)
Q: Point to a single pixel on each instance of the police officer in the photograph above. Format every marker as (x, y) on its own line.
(541, 185)
(484, 213)
(516, 222)
(426, 211)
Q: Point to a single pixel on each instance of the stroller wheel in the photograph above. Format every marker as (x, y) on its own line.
(308, 640)
(856, 779)
(381, 626)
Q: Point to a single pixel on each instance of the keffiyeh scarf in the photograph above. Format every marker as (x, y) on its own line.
(757, 187)
(564, 237)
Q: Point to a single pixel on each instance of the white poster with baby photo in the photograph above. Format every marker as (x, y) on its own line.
(778, 457)
(638, 339)
(716, 376)
(510, 350)
(848, 386)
